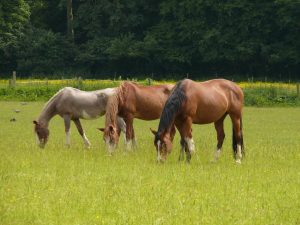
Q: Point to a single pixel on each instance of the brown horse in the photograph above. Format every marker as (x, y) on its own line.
(200, 103)
(73, 104)
(133, 101)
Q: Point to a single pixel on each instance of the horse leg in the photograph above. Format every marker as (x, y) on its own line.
(219, 126)
(129, 131)
(181, 155)
(237, 138)
(121, 127)
(67, 121)
(81, 132)
(185, 129)
(172, 133)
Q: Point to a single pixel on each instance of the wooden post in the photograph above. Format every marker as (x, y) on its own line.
(14, 78)
(12, 82)
(79, 82)
(298, 90)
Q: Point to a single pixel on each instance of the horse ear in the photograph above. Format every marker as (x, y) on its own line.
(101, 129)
(35, 122)
(153, 131)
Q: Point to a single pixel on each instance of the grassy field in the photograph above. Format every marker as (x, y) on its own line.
(58, 185)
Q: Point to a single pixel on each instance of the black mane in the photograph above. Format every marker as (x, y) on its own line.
(171, 108)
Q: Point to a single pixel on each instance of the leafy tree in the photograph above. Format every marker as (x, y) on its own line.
(14, 17)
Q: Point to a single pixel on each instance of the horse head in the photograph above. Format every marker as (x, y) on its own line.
(42, 133)
(110, 136)
(163, 144)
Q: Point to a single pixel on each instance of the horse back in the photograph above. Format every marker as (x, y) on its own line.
(145, 102)
(210, 100)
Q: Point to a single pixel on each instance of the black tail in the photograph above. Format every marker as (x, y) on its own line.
(234, 141)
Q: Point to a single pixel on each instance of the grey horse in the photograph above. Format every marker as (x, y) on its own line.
(73, 104)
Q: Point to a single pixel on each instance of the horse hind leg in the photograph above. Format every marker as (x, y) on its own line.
(81, 132)
(219, 126)
(237, 138)
(67, 121)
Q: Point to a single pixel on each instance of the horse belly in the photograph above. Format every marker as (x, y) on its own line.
(147, 115)
(207, 116)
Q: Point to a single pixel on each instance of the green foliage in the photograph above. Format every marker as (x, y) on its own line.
(14, 16)
(60, 185)
(137, 37)
(44, 52)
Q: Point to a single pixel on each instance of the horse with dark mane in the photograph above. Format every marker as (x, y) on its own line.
(200, 103)
(73, 104)
(133, 101)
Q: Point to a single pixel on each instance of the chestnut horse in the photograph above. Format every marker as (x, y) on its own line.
(73, 104)
(133, 101)
(200, 103)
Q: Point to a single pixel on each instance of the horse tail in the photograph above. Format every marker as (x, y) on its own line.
(234, 140)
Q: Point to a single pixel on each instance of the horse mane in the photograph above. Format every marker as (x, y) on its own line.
(112, 107)
(49, 103)
(171, 108)
(52, 98)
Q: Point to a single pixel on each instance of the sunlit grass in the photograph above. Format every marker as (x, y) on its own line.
(58, 185)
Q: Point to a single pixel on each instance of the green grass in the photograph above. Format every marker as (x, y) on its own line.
(58, 185)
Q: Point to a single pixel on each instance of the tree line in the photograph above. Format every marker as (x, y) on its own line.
(160, 38)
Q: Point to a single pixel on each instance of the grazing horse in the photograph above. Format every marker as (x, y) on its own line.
(133, 101)
(73, 104)
(200, 103)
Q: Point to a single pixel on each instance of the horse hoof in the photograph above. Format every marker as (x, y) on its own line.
(238, 161)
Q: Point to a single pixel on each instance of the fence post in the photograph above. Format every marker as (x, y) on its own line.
(79, 82)
(12, 82)
(298, 90)
(149, 81)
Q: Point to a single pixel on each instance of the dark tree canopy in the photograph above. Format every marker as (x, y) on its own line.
(137, 38)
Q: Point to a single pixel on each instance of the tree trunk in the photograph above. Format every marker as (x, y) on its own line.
(70, 20)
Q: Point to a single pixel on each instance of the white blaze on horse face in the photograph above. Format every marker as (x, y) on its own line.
(190, 144)
(110, 146)
(158, 151)
(238, 154)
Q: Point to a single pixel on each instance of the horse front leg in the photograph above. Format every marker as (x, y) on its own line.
(187, 141)
(181, 155)
(81, 132)
(67, 121)
(121, 126)
(130, 139)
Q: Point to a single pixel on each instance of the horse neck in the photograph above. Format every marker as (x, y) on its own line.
(171, 109)
(112, 110)
(47, 113)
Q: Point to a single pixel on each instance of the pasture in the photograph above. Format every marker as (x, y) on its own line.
(59, 185)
